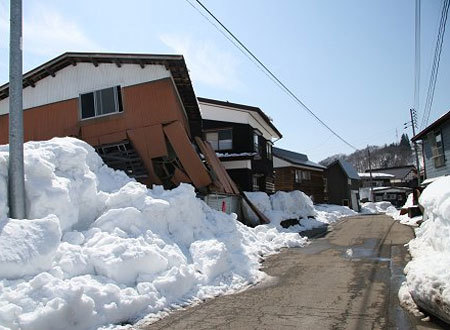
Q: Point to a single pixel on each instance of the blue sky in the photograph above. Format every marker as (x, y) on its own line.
(350, 61)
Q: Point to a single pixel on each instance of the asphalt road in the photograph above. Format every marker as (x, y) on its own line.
(348, 279)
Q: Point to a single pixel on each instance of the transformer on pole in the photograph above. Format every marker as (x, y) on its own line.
(16, 182)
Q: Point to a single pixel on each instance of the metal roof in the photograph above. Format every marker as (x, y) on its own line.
(295, 158)
(174, 63)
(444, 118)
(244, 107)
(348, 169)
(399, 172)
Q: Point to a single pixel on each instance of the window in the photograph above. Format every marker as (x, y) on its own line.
(256, 142)
(302, 176)
(325, 185)
(298, 176)
(349, 181)
(306, 175)
(220, 140)
(437, 149)
(101, 102)
(269, 150)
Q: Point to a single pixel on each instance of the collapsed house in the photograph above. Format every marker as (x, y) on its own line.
(139, 111)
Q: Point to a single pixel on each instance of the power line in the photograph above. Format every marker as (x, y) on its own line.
(435, 66)
(237, 43)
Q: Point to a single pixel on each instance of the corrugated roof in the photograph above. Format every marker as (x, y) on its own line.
(295, 158)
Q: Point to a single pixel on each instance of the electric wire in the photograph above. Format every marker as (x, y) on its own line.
(435, 66)
(240, 45)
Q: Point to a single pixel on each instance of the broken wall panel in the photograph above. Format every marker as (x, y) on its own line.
(141, 144)
(187, 155)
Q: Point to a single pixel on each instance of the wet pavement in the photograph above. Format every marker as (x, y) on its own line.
(348, 279)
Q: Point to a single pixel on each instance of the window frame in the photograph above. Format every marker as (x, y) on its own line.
(269, 152)
(437, 151)
(118, 102)
(217, 131)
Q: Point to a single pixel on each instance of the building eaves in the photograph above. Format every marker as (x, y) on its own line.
(174, 63)
(421, 135)
(243, 107)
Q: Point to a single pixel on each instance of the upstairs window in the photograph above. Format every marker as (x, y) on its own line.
(101, 102)
(256, 146)
(220, 140)
(269, 150)
(437, 149)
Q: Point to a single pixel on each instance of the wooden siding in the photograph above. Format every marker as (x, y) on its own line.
(431, 170)
(147, 108)
(285, 181)
(338, 188)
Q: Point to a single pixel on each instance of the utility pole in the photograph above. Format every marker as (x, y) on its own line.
(16, 183)
(371, 178)
(413, 115)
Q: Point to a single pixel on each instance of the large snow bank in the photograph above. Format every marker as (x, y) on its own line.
(428, 273)
(296, 205)
(104, 249)
(377, 207)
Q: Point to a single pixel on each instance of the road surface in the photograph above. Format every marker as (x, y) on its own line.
(348, 279)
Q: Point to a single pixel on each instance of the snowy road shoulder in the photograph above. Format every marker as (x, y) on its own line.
(428, 274)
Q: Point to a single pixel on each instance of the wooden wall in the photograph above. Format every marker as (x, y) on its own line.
(285, 181)
(152, 110)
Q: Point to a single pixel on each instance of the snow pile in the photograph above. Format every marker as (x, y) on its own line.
(103, 249)
(295, 205)
(404, 218)
(428, 274)
(329, 213)
(377, 207)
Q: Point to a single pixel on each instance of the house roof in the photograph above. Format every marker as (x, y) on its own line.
(434, 125)
(348, 169)
(243, 107)
(174, 63)
(295, 158)
(399, 172)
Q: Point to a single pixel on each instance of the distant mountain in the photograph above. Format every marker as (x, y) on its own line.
(395, 154)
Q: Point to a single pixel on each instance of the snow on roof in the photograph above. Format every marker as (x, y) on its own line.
(400, 172)
(376, 175)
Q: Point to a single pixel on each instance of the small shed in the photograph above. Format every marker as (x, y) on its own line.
(343, 184)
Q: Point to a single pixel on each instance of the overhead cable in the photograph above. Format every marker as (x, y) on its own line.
(240, 45)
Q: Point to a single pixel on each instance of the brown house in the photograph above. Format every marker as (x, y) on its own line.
(139, 111)
(294, 171)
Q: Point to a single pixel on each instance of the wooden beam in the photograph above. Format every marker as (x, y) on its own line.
(94, 61)
(73, 62)
(31, 83)
(118, 64)
(142, 64)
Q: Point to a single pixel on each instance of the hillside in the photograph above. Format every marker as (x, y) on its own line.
(394, 154)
